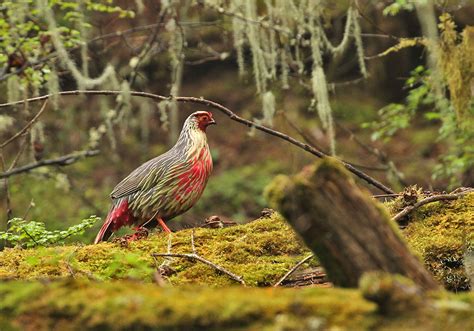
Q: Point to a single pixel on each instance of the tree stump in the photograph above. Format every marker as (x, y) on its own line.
(349, 232)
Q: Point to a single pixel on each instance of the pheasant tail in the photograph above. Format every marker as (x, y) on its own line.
(119, 215)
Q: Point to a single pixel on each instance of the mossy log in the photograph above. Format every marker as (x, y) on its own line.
(350, 233)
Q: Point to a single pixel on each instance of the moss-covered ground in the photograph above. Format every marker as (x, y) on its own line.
(261, 252)
(110, 286)
(441, 233)
(128, 305)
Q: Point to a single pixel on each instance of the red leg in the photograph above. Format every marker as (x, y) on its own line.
(163, 225)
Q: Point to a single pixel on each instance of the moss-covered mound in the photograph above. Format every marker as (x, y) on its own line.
(261, 252)
(441, 233)
(127, 305)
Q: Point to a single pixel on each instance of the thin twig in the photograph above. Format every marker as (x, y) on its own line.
(31, 205)
(292, 270)
(205, 261)
(193, 247)
(195, 256)
(226, 111)
(308, 138)
(60, 161)
(386, 195)
(31, 237)
(407, 210)
(20, 152)
(27, 126)
(382, 157)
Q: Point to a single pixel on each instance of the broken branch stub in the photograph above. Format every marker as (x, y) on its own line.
(349, 232)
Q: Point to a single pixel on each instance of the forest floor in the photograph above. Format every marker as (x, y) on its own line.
(120, 285)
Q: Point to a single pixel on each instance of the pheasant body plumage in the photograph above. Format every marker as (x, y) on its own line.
(166, 186)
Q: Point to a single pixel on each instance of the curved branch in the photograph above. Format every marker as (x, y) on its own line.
(226, 111)
(26, 127)
(60, 161)
(440, 197)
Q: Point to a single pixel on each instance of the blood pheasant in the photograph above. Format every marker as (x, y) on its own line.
(166, 186)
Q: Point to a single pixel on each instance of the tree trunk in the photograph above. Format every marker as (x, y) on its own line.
(348, 231)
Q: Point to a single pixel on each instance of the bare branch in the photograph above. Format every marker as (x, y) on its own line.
(433, 198)
(226, 111)
(27, 126)
(292, 270)
(59, 161)
(194, 256)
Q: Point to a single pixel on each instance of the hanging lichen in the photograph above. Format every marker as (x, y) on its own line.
(284, 34)
(53, 87)
(360, 47)
(14, 88)
(6, 122)
(268, 102)
(82, 81)
(164, 118)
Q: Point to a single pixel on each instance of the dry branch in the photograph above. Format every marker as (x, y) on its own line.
(440, 197)
(292, 270)
(195, 256)
(199, 258)
(26, 127)
(59, 161)
(226, 111)
(349, 232)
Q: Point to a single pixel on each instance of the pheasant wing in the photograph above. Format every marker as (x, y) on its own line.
(144, 177)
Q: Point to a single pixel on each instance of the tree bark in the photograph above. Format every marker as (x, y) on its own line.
(349, 232)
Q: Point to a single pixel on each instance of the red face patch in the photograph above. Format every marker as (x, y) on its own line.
(204, 120)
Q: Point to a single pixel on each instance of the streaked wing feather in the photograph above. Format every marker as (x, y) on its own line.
(142, 177)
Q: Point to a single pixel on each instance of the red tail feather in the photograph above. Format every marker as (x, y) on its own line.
(118, 216)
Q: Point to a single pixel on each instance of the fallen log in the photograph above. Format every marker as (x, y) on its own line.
(350, 232)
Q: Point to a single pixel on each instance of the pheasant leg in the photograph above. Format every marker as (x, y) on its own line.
(163, 225)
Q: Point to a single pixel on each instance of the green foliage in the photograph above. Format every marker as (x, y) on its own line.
(25, 39)
(422, 98)
(31, 233)
(397, 116)
(397, 6)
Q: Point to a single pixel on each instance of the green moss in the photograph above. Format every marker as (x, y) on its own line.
(125, 305)
(440, 233)
(261, 251)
